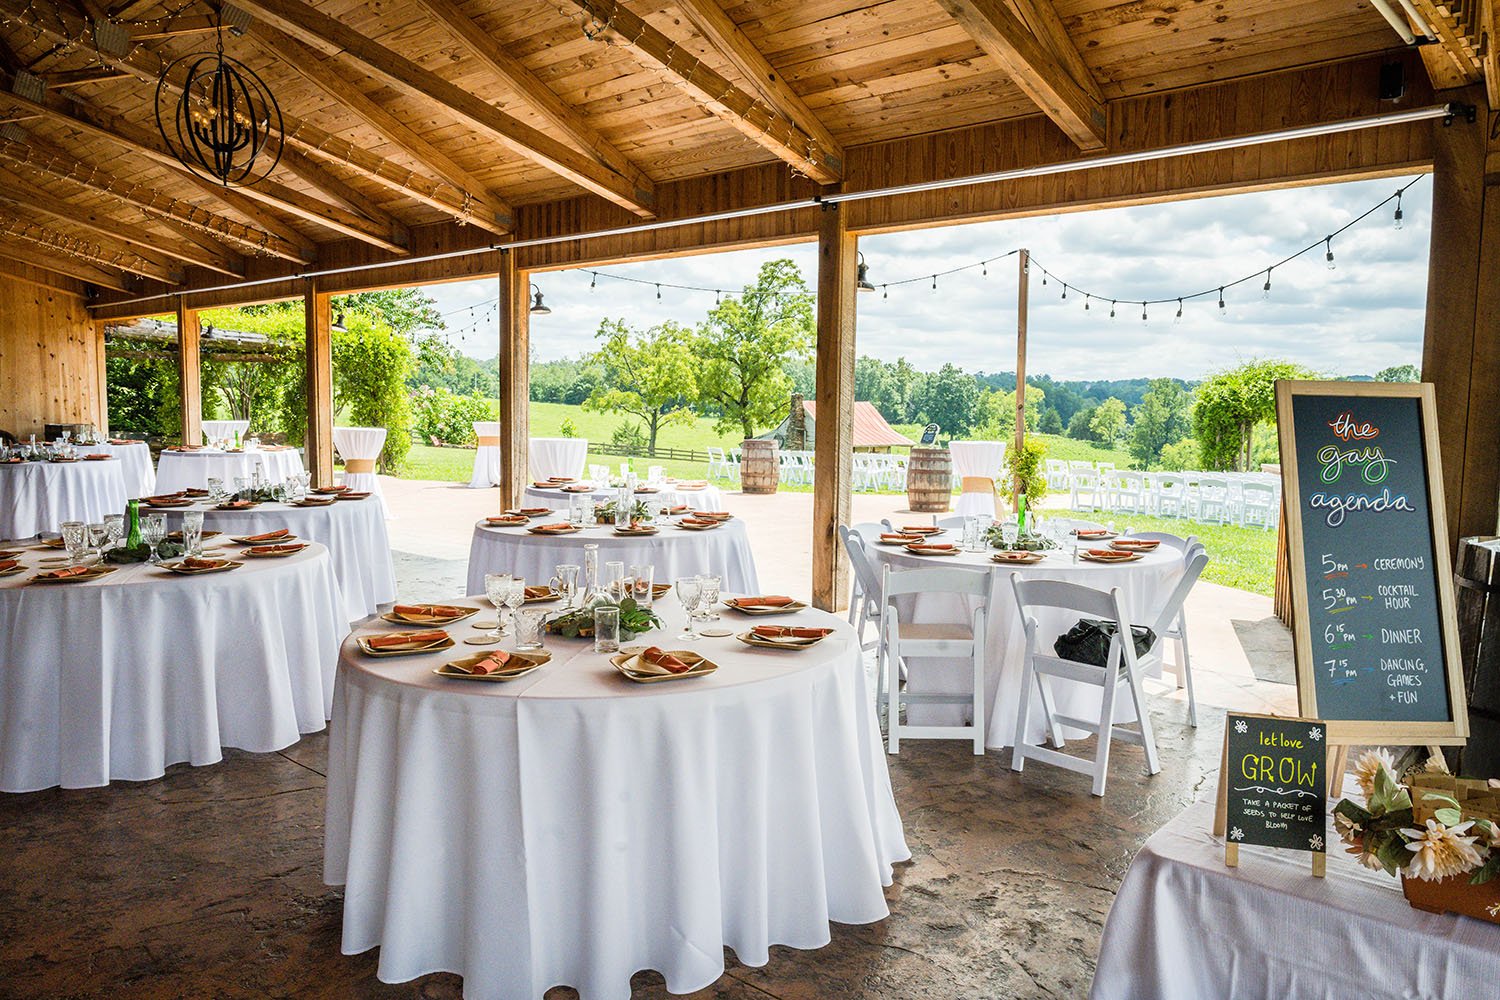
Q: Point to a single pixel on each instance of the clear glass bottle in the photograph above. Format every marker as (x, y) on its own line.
(590, 575)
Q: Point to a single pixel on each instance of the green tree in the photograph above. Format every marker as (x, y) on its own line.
(1163, 417)
(370, 363)
(1399, 373)
(648, 375)
(1231, 403)
(951, 400)
(997, 412)
(1051, 422)
(1081, 426)
(1108, 423)
(742, 347)
(404, 310)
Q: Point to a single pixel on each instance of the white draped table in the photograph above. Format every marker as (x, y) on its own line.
(225, 430)
(180, 470)
(723, 551)
(571, 827)
(1183, 927)
(353, 531)
(558, 457)
(36, 497)
(360, 448)
(977, 458)
(138, 473)
(486, 455)
(698, 498)
(120, 677)
(1143, 584)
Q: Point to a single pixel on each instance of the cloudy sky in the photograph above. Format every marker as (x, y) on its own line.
(1364, 315)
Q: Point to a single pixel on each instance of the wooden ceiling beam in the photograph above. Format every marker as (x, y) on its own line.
(95, 251)
(753, 118)
(95, 274)
(1453, 61)
(479, 204)
(175, 27)
(20, 192)
(731, 42)
(54, 162)
(319, 30)
(1077, 106)
(513, 74)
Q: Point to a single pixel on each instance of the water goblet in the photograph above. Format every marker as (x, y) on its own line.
(689, 592)
(98, 539)
(75, 540)
(709, 599)
(515, 596)
(529, 628)
(496, 586)
(1008, 533)
(241, 485)
(192, 533)
(215, 489)
(114, 524)
(153, 533)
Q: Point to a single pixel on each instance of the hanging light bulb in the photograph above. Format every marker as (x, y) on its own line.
(984, 269)
(1221, 300)
(1178, 318)
(1265, 290)
(1086, 302)
(1112, 309)
(1143, 312)
(1328, 253)
(1396, 221)
(1065, 290)
(885, 291)
(934, 282)
(593, 280)
(658, 293)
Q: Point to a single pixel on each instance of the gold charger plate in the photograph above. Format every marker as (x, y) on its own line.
(1102, 536)
(903, 540)
(52, 543)
(237, 505)
(785, 609)
(556, 531)
(9, 553)
(1017, 558)
(12, 571)
(923, 530)
(94, 573)
(699, 527)
(1124, 557)
(635, 532)
(364, 644)
(515, 521)
(176, 536)
(468, 612)
(548, 597)
(526, 663)
(312, 502)
(698, 666)
(274, 555)
(916, 549)
(751, 639)
(1128, 545)
(252, 540)
(221, 566)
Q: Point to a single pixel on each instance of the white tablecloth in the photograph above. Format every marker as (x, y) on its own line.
(571, 828)
(977, 458)
(1184, 926)
(486, 456)
(118, 678)
(704, 498)
(353, 531)
(360, 443)
(136, 470)
(179, 470)
(224, 430)
(1144, 585)
(558, 457)
(38, 496)
(723, 551)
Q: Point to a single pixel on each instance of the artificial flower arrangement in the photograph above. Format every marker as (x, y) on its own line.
(1441, 834)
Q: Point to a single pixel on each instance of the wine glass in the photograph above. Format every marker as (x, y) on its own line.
(75, 540)
(689, 592)
(496, 586)
(515, 596)
(709, 600)
(115, 525)
(153, 533)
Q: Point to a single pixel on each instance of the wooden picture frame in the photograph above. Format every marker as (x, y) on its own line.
(1455, 730)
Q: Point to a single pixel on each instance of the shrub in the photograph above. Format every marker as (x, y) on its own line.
(629, 437)
(1026, 465)
(447, 416)
(568, 428)
(1179, 456)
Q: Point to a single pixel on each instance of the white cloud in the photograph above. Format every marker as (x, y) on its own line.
(1364, 315)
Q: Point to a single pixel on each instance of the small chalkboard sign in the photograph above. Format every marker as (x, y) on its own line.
(1373, 617)
(929, 434)
(1273, 786)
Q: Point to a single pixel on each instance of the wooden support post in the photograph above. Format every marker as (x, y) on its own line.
(1023, 309)
(319, 355)
(189, 374)
(101, 382)
(1461, 353)
(515, 380)
(838, 252)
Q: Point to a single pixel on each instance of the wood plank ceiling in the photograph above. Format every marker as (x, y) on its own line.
(402, 114)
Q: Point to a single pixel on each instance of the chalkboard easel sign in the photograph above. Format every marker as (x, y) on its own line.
(1373, 619)
(1272, 786)
(929, 434)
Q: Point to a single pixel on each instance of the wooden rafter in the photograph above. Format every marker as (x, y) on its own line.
(327, 77)
(98, 274)
(54, 162)
(1077, 106)
(1454, 60)
(152, 246)
(731, 42)
(1489, 34)
(94, 251)
(753, 118)
(513, 73)
(321, 31)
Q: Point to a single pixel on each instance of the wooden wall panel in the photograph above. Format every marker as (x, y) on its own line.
(49, 357)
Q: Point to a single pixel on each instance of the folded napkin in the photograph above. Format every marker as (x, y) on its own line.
(532, 593)
(194, 563)
(238, 505)
(640, 526)
(193, 491)
(506, 519)
(681, 508)
(790, 632)
(554, 527)
(700, 522)
(6, 564)
(920, 529)
(64, 572)
(713, 515)
(695, 485)
(543, 484)
(1143, 544)
(886, 536)
(427, 611)
(529, 511)
(1091, 532)
(561, 479)
(1109, 554)
(931, 546)
(98, 458)
(267, 549)
(490, 663)
(664, 661)
(396, 640)
(578, 489)
(769, 601)
(646, 489)
(269, 536)
(121, 441)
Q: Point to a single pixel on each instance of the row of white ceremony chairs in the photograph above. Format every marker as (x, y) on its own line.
(870, 471)
(1246, 499)
(873, 597)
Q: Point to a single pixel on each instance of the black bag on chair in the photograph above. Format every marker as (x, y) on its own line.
(1089, 638)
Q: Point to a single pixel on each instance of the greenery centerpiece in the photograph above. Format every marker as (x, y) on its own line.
(579, 622)
(604, 513)
(1029, 542)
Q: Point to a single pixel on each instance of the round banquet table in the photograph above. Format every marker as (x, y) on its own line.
(723, 551)
(558, 457)
(225, 430)
(135, 465)
(360, 448)
(486, 455)
(353, 531)
(39, 496)
(570, 827)
(180, 470)
(119, 678)
(976, 458)
(702, 498)
(1144, 585)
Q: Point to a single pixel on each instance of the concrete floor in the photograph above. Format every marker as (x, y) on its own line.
(207, 883)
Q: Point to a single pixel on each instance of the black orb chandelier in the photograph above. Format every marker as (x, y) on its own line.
(225, 125)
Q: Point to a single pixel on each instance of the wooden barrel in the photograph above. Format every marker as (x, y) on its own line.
(929, 479)
(760, 466)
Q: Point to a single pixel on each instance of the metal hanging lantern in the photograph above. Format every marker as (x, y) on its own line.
(225, 126)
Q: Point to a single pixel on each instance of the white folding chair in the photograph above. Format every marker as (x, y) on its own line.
(902, 640)
(1039, 667)
(864, 582)
(1258, 506)
(1170, 624)
(1171, 495)
(1085, 484)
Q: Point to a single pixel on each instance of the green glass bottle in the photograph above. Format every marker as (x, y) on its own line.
(1020, 514)
(133, 524)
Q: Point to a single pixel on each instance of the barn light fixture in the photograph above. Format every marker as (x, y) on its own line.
(862, 275)
(538, 307)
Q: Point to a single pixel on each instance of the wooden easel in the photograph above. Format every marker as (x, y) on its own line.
(1221, 805)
